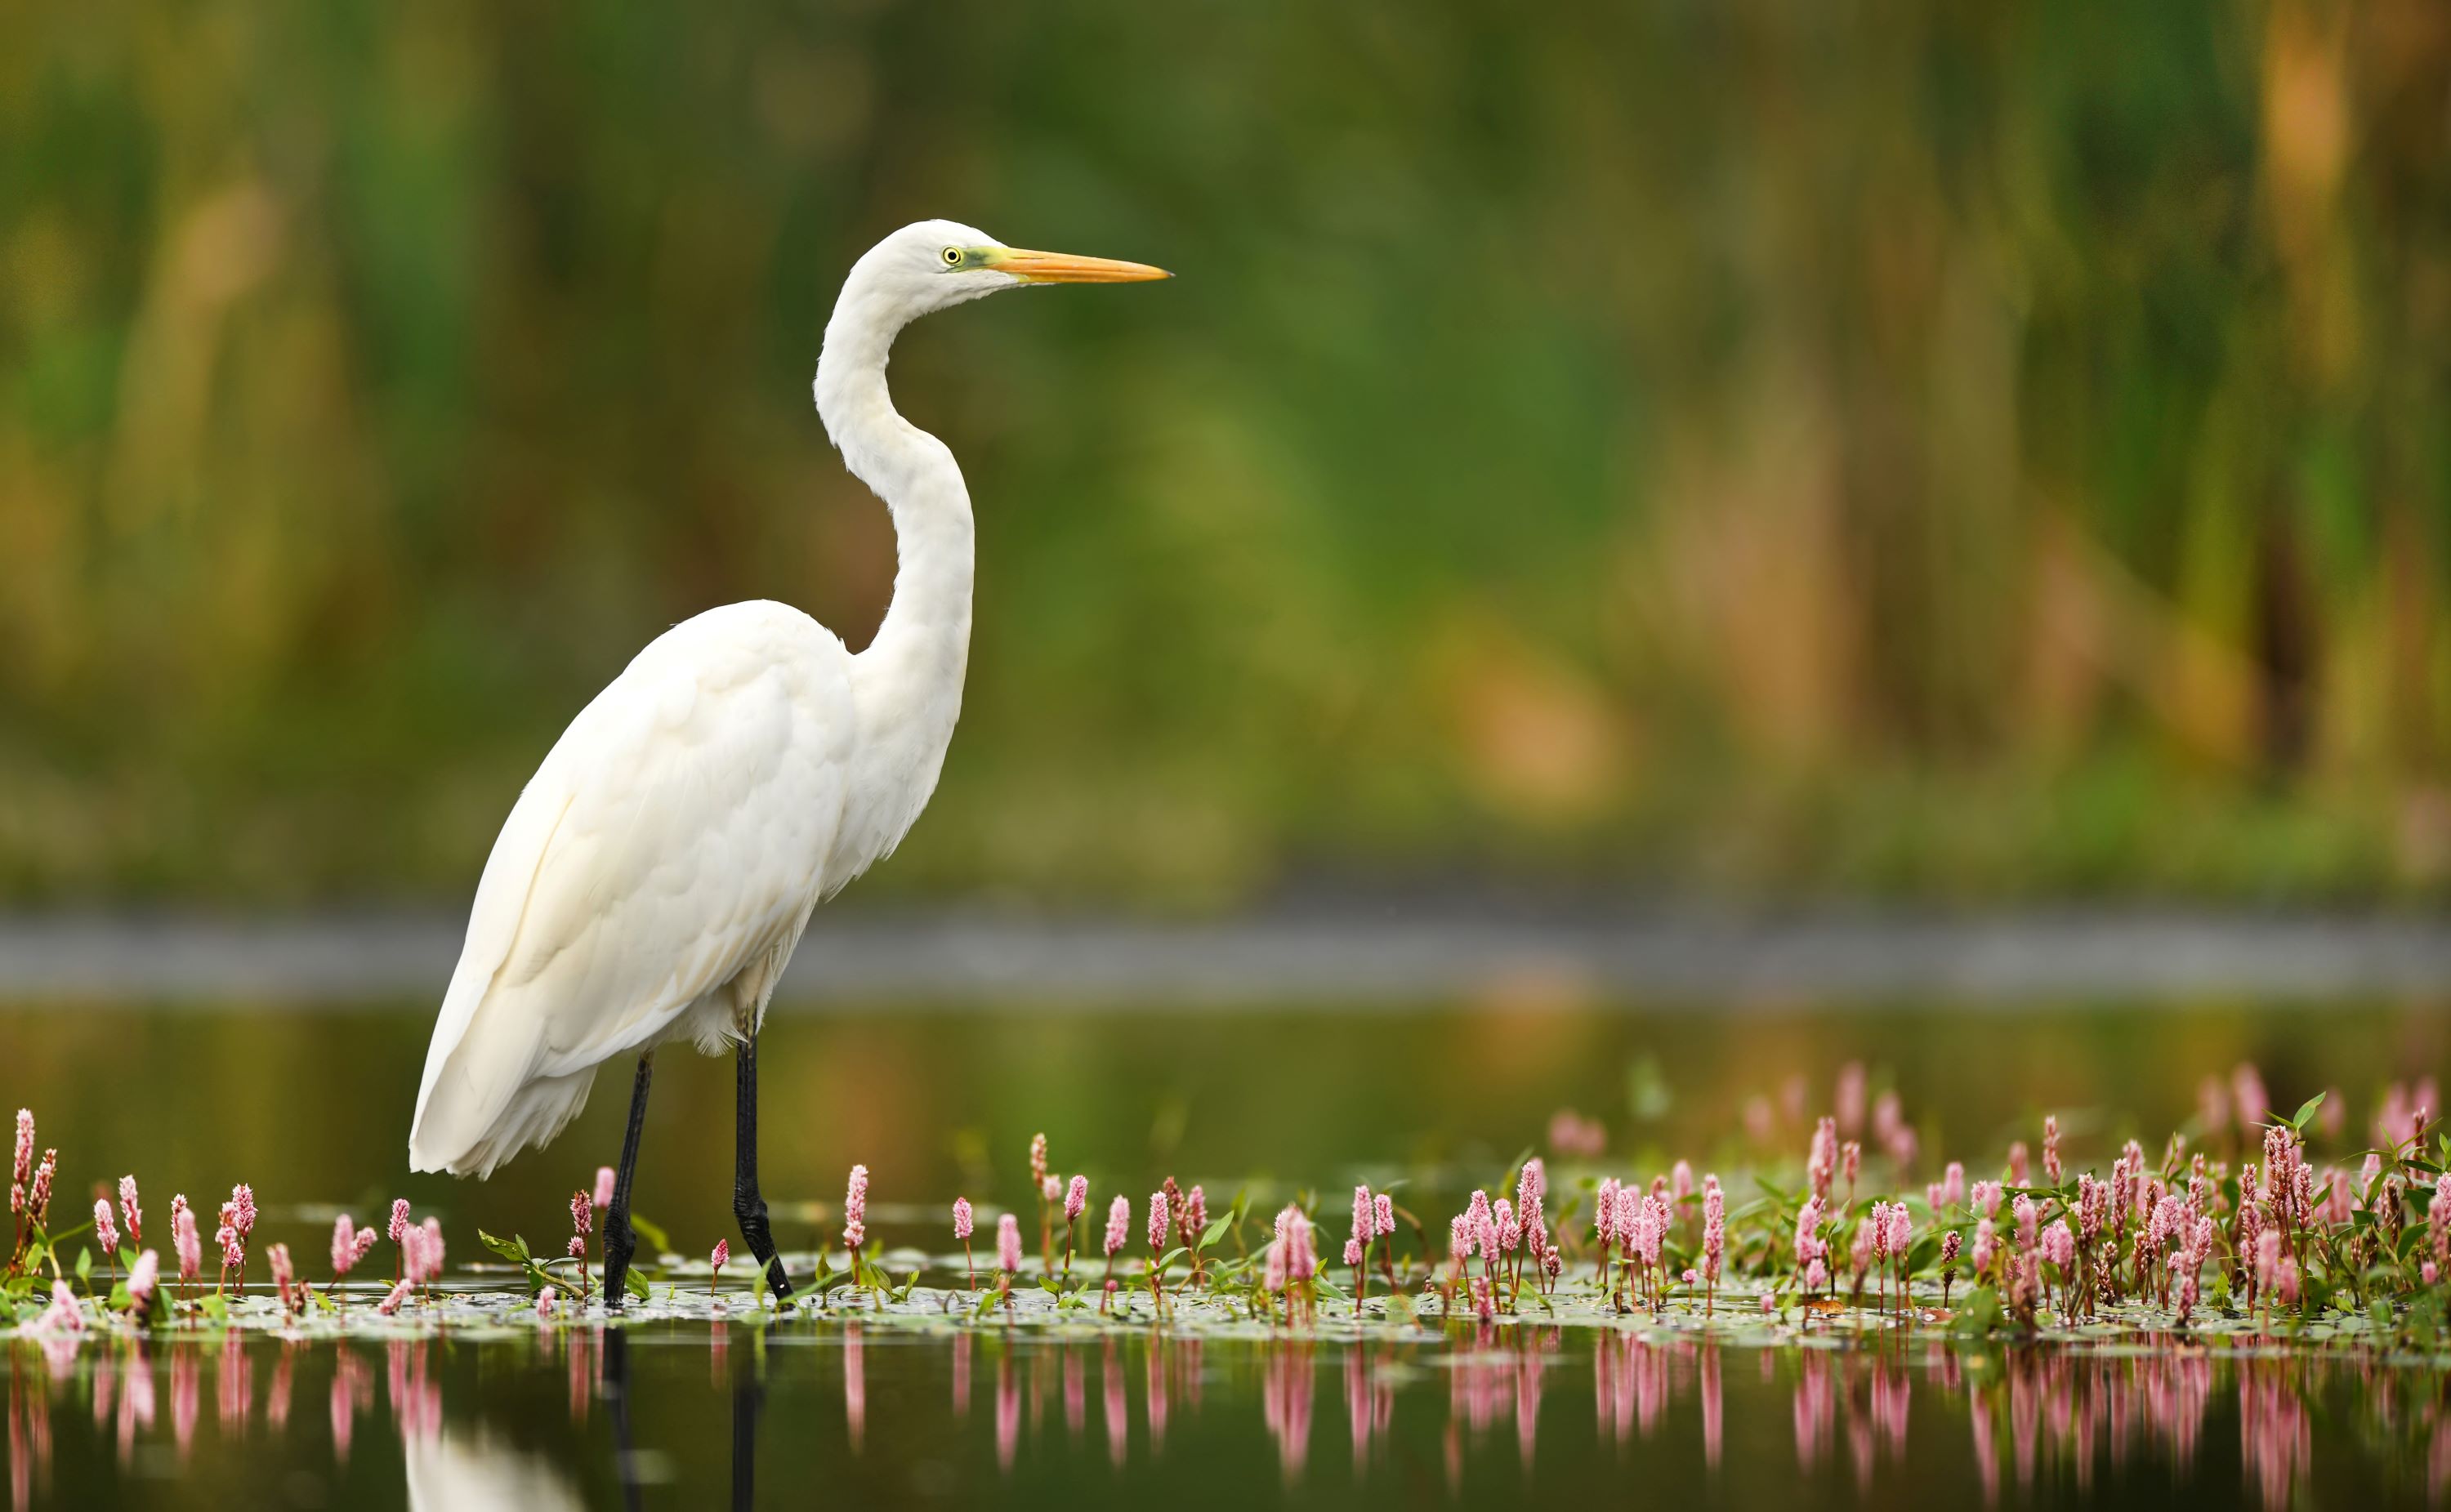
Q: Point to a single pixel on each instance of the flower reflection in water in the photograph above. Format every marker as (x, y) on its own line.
(2035, 1424)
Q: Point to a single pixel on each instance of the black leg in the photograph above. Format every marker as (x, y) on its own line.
(620, 1242)
(747, 1205)
(616, 1386)
(748, 1403)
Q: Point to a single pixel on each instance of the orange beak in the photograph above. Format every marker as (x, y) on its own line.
(1061, 267)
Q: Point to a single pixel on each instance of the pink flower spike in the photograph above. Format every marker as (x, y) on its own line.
(1119, 1224)
(1353, 1251)
(1076, 1199)
(142, 1278)
(604, 1185)
(105, 1232)
(1009, 1244)
(855, 1208)
(344, 1244)
(582, 1217)
(22, 1168)
(399, 1218)
(721, 1256)
(128, 1210)
(545, 1303)
(1386, 1214)
(284, 1278)
(961, 1218)
(1160, 1222)
(189, 1250)
(391, 1302)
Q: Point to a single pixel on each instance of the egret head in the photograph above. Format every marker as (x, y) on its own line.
(933, 264)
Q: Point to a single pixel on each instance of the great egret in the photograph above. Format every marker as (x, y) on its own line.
(658, 870)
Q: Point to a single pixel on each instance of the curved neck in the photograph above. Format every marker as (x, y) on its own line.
(925, 638)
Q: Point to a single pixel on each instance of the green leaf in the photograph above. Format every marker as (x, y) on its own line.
(635, 1285)
(216, 1307)
(1169, 1257)
(2306, 1111)
(1215, 1230)
(652, 1233)
(514, 1249)
(84, 1264)
(127, 1258)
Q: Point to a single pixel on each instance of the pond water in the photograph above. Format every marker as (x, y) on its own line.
(477, 1404)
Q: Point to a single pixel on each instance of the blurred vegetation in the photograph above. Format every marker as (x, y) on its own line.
(1757, 448)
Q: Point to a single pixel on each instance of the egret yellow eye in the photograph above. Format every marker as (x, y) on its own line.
(953, 257)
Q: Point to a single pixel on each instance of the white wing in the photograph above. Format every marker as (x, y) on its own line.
(674, 839)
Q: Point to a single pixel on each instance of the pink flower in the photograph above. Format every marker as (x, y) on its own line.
(391, 1302)
(855, 1208)
(39, 1202)
(2059, 1244)
(64, 1315)
(961, 1218)
(243, 1201)
(344, 1244)
(1076, 1199)
(1531, 1186)
(1009, 1244)
(1160, 1222)
(1353, 1252)
(106, 1232)
(399, 1218)
(1849, 1098)
(720, 1257)
(2051, 1149)
(1038, 1160)
(190, 1249)
(582, 1216)
(604, 1185)
(1680, 1180)
(128, 1209)
(545, 1303)
(142, 1278)
(1821, 1161)
(22, 1168)
(1953, 1183)
(284, 1277)
(1386, 1214)
(1119, 1224)
(1365, 1219)
(1195, 1215)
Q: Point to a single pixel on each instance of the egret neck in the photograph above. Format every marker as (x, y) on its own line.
(908, 684)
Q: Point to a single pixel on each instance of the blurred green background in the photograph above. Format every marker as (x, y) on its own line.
(1757, 449)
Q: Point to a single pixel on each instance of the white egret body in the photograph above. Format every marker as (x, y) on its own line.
(657, 871)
